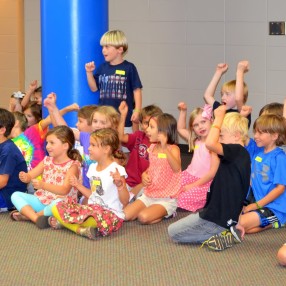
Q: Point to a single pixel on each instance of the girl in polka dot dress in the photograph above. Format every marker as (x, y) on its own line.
(196, 179)
(162, 179)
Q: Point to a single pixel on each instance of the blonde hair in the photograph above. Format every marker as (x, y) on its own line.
(86, 112)
(110, 113)
(115, 38)
(230, 86)
(234, 122)
(193, 136)
(272, 123)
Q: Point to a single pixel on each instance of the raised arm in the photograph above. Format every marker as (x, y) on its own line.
(123, 109)
(212, 141)
(89, 68)
(210, 91)
(242, 68)
(181, 124)
(56, 115)
(33, 85)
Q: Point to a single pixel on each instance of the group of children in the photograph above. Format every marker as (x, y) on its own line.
(233, 185)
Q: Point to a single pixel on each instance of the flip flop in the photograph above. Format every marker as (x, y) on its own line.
(42, 222)
(17, 216)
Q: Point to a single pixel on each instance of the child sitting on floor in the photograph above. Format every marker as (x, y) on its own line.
(107, 197)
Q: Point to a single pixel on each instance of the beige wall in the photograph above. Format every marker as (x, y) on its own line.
(11, 49)
(176, 45)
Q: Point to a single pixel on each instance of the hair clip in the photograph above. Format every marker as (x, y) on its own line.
(18, 94)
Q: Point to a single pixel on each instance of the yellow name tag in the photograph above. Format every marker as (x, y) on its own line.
(258, 159)
(197, 147)
(120, 72)
(96, 183)
(162, 155)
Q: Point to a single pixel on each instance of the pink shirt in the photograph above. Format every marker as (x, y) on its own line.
(201, 160)
(165, 182)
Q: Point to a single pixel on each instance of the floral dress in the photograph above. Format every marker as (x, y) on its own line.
(55, 174)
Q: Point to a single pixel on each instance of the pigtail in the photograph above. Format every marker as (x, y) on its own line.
(74, 155)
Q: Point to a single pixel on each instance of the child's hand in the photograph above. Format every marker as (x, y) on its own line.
(220, 111)
(243, 66)
(123, 108)
(73, 107)
(50, 100)
(90, 67)
(37, 184)
(250, 207)
(117, 180)
(33, 85)
(24, 177)
(146, 181)
(245, 110)
(73, 181)
(182, 106)
(222, 68)
(135, 117)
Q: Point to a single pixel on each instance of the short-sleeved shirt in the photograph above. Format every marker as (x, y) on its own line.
(12, 163)
(32, 144)
(267, 171)
(117, 83)
(84, 141)
(104, 191)
(138, 144)
(229, 186)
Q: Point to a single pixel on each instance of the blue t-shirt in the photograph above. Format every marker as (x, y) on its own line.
(117, 83)
(252, 148)
(12, 163)
(267, 171)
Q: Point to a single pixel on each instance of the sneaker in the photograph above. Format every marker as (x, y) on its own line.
(3, 210)
(277, 225)
(221, 241)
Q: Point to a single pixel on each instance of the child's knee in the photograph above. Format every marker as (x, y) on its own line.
(281, 255)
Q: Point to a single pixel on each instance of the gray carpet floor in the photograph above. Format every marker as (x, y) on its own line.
(135, 255)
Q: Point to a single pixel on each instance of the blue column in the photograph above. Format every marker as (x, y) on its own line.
(70, 35)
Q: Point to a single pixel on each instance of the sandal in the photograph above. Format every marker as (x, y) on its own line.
(42, 222)
(89, 232)
(17, 216)
(54, 223)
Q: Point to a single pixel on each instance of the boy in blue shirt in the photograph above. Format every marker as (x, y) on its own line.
(11, 162)
(266, 198)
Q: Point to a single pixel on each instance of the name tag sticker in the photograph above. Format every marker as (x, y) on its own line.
(258, 159)
(120, 72)
(162, 155)
(197, 147)
(96, 183)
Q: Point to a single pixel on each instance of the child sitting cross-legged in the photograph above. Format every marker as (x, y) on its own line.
(103, 213)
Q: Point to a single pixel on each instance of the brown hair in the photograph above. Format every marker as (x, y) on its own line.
(167, 124)
(272, 108)
(22, 120)
(36, 110)
(86, 112)
(272, 123)
(65, 135)
(107, 137)
(149, 110)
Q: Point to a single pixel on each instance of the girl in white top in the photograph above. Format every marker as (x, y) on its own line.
(108, 194)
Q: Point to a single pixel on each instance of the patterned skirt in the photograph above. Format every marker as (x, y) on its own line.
(106, 220)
